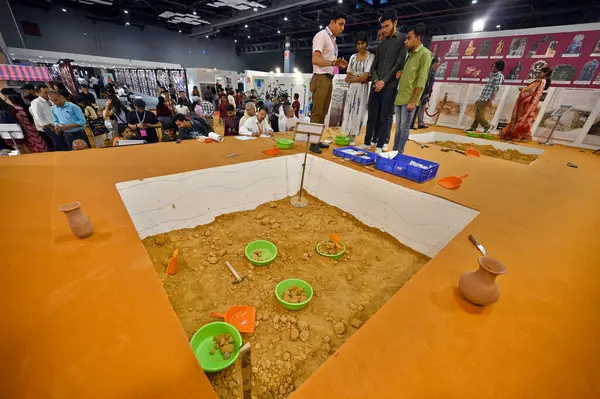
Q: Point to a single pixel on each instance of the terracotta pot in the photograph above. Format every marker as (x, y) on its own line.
(79, 223)
(480, 287)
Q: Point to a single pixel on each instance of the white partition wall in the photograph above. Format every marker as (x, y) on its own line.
(421, 221)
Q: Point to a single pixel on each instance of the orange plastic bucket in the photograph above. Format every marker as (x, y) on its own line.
(241, 317)
(272, 151)
(451, 182)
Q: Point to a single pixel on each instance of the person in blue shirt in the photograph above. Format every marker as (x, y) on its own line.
(68, 118)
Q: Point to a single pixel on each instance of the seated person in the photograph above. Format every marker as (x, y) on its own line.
(249, 113)
(231, 122)
(124, 133)
(181, 107)
(290, 121)
(189, 129)
(169, 132)
(143, 122)
(257, 126)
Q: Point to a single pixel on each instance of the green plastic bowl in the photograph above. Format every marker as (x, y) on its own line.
(335, 256)
(284, 143)
(202, 343)
(474, 134)
(343, 140)
(490, 136)
(285, 284)
(266, 246)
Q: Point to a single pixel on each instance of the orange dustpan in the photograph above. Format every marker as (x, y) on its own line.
(272, 151)
(241, 317)
(472, 153)
(451, 182)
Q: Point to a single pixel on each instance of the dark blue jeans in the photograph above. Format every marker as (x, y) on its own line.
(58, 140)
(70, 137)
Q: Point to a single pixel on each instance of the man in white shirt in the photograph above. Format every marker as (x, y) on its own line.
(41, 111)
(257, 126)
(290, 120)
(95, 85)
(81, 80)
(324, 59)
(249, 113)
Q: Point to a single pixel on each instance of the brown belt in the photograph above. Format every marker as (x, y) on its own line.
(330, 76)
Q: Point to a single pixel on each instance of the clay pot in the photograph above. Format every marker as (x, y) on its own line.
(79, 223)
(480, 287)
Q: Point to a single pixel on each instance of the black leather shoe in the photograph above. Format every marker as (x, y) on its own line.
(323, 145)
(315, 148)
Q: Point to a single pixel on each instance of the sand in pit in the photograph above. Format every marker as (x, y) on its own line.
(287, 346)
(490, 151)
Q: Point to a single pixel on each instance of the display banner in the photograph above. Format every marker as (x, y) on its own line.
(573, 52)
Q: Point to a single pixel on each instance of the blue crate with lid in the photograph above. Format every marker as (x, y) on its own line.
(356, 155)
(412, 168)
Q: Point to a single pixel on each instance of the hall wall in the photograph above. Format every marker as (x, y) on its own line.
(72, 32)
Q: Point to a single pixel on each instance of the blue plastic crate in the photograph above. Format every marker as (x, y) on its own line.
(400, 166)
(339, 152)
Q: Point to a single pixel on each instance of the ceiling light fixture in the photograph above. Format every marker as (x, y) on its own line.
(245, 26)
(248, 36)
(235, 40)
(126, 23)
(498, 26)
(285, 18)
(474, 2)
(340, 1)
(207, 36)
(255, 9)
(194, 13)
(64, 10)
(278, 31)
(478, 25)
(277, 70)
(295, 70)
(126, 12)
(179, 30)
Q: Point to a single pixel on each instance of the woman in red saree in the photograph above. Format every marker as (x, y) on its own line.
(526, 107)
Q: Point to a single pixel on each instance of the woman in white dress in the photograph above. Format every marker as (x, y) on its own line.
(357, 98)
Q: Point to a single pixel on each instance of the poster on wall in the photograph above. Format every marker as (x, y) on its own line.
(570, 54)
(450, 113)
(508, 106)
(593, 135)
(571, 124)
(471, 101)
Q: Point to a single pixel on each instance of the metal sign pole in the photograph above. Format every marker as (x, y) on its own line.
(298, 201)
(315, 129)
(563, 109)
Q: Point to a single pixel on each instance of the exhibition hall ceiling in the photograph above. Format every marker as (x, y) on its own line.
(260, 25)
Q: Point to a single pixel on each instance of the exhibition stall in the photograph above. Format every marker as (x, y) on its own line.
(573, 52)
(276, 84)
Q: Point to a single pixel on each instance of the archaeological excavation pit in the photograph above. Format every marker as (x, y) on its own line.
(210, 215)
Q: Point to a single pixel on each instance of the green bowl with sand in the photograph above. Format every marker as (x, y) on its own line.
(302, 290)
(261, 252)
(325, 251)
(343, 140)
(284, 144)
(203, 343)
(489, 136)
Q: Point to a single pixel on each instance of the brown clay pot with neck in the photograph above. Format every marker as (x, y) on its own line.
(79, 223)
(479, 286)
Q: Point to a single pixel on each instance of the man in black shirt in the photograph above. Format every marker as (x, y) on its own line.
(389, 61)
(85, 95)
(143, 123)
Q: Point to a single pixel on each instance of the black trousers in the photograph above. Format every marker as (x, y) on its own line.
(381, 110)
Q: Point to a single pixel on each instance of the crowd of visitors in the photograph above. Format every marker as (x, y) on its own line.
(401, 72)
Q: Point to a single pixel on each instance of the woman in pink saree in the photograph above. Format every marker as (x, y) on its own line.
(526, 108)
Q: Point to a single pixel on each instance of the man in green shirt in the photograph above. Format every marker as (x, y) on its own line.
(412, 81)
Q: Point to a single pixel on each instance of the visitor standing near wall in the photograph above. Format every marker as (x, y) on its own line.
(412, 82)
(389, 60)
(324, 59)
(487, 96)
(41, 111)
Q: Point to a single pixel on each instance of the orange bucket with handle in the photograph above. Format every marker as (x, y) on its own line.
(451, 182)
(241, 317)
